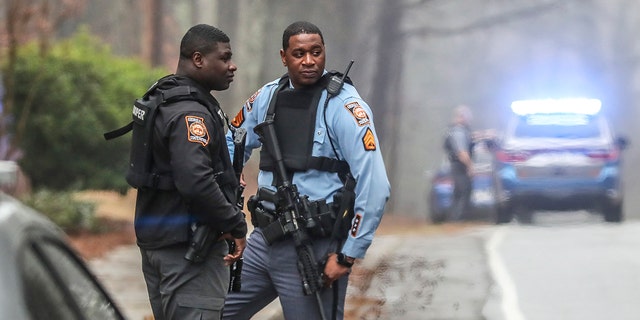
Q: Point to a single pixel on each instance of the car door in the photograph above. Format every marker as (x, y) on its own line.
(58, 285)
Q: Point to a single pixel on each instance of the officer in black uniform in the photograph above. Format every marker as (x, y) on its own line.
(459, 145)
(191, 171)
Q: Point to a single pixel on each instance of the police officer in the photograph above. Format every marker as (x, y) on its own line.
(315, 140)
(189, 154)
(459, 145)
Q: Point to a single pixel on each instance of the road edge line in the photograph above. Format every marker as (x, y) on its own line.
(510, 306)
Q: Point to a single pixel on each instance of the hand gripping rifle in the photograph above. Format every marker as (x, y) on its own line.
(293, 209)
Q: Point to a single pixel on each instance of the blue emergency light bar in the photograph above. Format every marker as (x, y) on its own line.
(548, 106)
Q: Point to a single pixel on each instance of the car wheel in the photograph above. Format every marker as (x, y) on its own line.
(504, 214)
(613, 213)
(436, 215)
(525, 215)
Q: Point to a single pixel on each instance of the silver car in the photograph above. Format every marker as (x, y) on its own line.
(41, 277)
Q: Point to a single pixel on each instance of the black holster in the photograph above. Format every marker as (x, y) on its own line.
(318, 218)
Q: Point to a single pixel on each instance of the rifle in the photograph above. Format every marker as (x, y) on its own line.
(239, 139)
(294, 211)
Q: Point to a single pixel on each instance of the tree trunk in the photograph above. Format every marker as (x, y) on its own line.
(386, 100)
(155, 28)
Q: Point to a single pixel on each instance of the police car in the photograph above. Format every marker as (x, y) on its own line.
(558, 155)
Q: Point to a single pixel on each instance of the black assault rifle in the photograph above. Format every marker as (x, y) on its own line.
(239, 139)
(294, 210)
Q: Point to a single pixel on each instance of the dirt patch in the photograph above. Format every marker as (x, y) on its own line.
(115, 213)
(401, 224)
(96, 245)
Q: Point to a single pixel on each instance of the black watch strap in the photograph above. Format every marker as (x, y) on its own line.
(342, 260)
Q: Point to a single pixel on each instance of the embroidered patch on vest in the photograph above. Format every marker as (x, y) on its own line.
(369, 140)
(197, 131)
(358, 112)
(356, 224)
(238, 119)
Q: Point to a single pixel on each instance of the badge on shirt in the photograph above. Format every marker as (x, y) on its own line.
(197, 131)
(358, 113)
(369, 140)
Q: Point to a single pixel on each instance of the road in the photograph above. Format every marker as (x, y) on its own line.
(564, 270)
(563, 267)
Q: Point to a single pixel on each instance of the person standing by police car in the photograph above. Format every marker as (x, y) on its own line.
(189, 154)
(340, 134)
(459, 145)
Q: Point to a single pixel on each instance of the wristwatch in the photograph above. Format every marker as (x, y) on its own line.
(345, 260)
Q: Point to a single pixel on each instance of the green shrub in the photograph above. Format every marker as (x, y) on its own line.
(65, 101)
(71, 215)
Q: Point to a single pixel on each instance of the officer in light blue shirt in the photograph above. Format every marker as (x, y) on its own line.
(322, 141)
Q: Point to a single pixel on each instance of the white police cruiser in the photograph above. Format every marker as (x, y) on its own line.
(558, 154)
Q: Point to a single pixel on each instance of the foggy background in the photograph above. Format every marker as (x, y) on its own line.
(415, 60)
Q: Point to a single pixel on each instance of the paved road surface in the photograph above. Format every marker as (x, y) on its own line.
(409, 277)
(120, 271)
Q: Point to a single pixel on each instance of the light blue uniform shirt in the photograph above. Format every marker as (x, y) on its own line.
(350, 126)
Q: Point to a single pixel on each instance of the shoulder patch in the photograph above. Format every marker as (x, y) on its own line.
(369, 140)
(249, 103)
(196, 130)
(238, 119)
(358, 113)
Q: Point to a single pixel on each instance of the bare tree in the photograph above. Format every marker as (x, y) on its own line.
(386, 80)
(27, 20)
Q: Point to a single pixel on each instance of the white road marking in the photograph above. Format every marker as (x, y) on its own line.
(510, 307)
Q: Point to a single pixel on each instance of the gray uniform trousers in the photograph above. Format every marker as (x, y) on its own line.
(462, 187)
(179, 289)
(271, 271)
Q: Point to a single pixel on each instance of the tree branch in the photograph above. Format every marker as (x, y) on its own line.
(489, 22)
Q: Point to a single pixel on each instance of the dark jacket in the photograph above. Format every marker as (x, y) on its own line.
(193, 155)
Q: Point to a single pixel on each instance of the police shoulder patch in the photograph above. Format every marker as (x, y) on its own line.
(369, 140)
(197, 130)
(249, 104)
(358, 113)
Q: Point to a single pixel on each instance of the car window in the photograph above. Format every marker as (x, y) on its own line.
(44, 298)
(56, 283)
(557, 126)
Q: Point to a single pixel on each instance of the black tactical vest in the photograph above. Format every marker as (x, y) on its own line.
(145, 110)
(295, 113)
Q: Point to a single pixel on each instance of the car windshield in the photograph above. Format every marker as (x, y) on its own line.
(557, 126)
